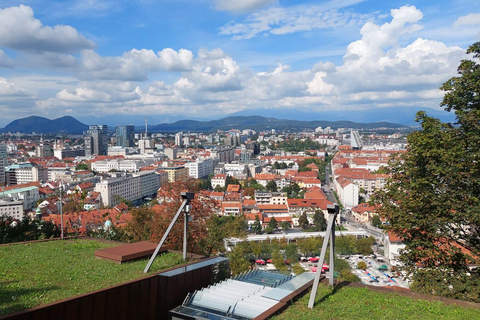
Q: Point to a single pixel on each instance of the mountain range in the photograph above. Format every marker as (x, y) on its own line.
(37, 124)
(71, 125)
(401, 115)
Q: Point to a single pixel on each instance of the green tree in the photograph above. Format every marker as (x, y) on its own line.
(81, 167)
(432, 200)
(272, 186)
(239, 258)
(303, 221)
(364, 245)
(273, 223)
(257, 226)
(319, 221)
(346, 245)
(285, 225)
(277, 259)
(376, 221)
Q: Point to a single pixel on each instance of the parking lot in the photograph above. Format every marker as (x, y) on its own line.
(372, 275)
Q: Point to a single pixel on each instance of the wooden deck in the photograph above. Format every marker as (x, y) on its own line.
(130, 251)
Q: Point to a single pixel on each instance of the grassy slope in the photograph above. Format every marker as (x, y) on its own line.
(35, 274)
(360, 303)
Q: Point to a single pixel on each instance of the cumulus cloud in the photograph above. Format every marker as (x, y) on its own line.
(387, 66)
(284, 20)
(211, 71)
(469, 19)
(243, 6)
(19, 30)
(134, 65)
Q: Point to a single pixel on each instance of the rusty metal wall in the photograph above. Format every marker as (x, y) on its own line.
(147, 298)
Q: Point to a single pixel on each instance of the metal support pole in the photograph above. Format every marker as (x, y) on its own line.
(333, 211)
(175, 218)
(185, 232)
(332, 254)
(61, 209)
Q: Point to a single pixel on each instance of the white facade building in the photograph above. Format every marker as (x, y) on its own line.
(28, 195)
(149, 182)
(11, 208)
(200, 169)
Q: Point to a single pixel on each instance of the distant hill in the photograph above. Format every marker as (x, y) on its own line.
(262, 123)
(36, 124)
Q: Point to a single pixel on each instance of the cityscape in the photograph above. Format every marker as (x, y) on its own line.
(247, 180)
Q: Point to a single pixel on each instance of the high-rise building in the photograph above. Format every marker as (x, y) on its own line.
(3, 162)
(125, 136)
(178, 139)
(96, 140)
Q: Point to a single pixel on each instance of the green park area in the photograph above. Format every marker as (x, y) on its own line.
(39, 273)
(362, 303)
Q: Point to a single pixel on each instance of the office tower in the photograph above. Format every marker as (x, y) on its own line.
(178, 139)
(125, 136)
(3, 162)
(96, 140)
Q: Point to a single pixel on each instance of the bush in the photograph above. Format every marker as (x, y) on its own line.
(362, 265)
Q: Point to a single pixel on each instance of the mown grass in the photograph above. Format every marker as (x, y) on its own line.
(361, 303)
(40, 273)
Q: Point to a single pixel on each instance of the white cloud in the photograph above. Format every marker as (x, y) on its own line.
(211, 71)
(19, 30)
(243, 6)
(284, 20)
(134, 65)
(8, 89)
(172, 60)
(389, 65)
(469, 19)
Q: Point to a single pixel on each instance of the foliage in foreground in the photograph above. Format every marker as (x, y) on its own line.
(26, 230)
(432, 200)
(40, 273)
(362, 303)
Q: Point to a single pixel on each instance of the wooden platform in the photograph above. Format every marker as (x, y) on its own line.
(130, 251)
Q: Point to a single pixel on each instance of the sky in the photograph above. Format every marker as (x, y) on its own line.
(204, 59)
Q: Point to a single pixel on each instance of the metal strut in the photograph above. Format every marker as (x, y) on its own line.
(187, 196)
(329, 235)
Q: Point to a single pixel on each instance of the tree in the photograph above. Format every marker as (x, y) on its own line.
(432, 200)
(319, 221)
(257, 226)
(272, 186)
(81, 167)
(273, 223)
(285, 225)
(303, 221)
(376, 221)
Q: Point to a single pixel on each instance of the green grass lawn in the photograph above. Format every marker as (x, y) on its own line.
(361, 303)
(40, 273)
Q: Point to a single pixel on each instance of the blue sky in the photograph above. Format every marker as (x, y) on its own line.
(170, 59)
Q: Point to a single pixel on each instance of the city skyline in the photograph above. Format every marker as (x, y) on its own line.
(200, 59)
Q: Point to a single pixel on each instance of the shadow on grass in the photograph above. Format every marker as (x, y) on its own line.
(17, 299)
(336, 288)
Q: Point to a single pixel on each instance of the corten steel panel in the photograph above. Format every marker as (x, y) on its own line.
(56, 312)
(99, 301)
(161, 296)
(111, 306)
(86, 307)
(133, 300)
(71, 308)
(40, 314)
(152, 298)
(123, 302)
(143, 299)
